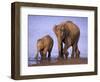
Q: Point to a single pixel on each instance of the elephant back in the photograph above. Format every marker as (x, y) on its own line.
(72, 28)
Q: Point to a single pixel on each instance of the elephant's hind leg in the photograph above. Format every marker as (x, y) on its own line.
(73, 51)
(77, 52)
(49, 51)
(72, 56)
(49, 54)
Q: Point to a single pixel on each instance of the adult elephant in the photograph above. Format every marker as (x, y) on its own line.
(67, 34)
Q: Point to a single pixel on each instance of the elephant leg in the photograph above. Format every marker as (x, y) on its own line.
(60, 48)
(61, 51)
(77, 55)
(65, 52)
(49, 54)
(49, 51)
(77, 52)
(44, 54)
(41, 53)
(73, 51)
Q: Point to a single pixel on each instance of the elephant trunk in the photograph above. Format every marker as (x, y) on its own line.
(60, 47)
(36, 55)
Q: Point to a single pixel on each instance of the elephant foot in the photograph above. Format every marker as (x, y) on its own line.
(77, 56)
(43, 58)
(60, 58)
(60, 54)
(72, 56)
(43, 61)
(49, 58)
(66, 55)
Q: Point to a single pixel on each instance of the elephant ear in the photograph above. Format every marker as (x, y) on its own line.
(66, 30)
(63, 33)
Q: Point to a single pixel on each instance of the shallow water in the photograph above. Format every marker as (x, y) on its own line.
(39, 61)
(56, 61)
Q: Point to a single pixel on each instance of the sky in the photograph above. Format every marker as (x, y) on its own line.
(39, 26)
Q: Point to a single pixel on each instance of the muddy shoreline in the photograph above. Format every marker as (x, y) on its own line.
(55, 61)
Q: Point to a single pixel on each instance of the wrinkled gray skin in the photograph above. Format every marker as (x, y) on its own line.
(67, 34)
(44, 46)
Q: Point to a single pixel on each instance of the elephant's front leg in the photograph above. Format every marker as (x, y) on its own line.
(65, 52)
(41, 53)
(44, 53)
(60, 48)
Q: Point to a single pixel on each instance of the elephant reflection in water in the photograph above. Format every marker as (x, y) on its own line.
(44, 46)
(67, 34)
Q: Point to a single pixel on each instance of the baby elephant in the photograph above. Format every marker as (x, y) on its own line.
(44, 46)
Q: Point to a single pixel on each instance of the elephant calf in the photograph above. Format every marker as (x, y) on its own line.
(44, 46)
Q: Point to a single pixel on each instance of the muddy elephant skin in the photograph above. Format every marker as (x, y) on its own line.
(67, 34)
(44, 46)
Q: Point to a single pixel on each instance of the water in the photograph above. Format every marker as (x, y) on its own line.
(57, 61)
(39, 61)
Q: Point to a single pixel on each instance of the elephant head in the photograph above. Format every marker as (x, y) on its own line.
(61, 34)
